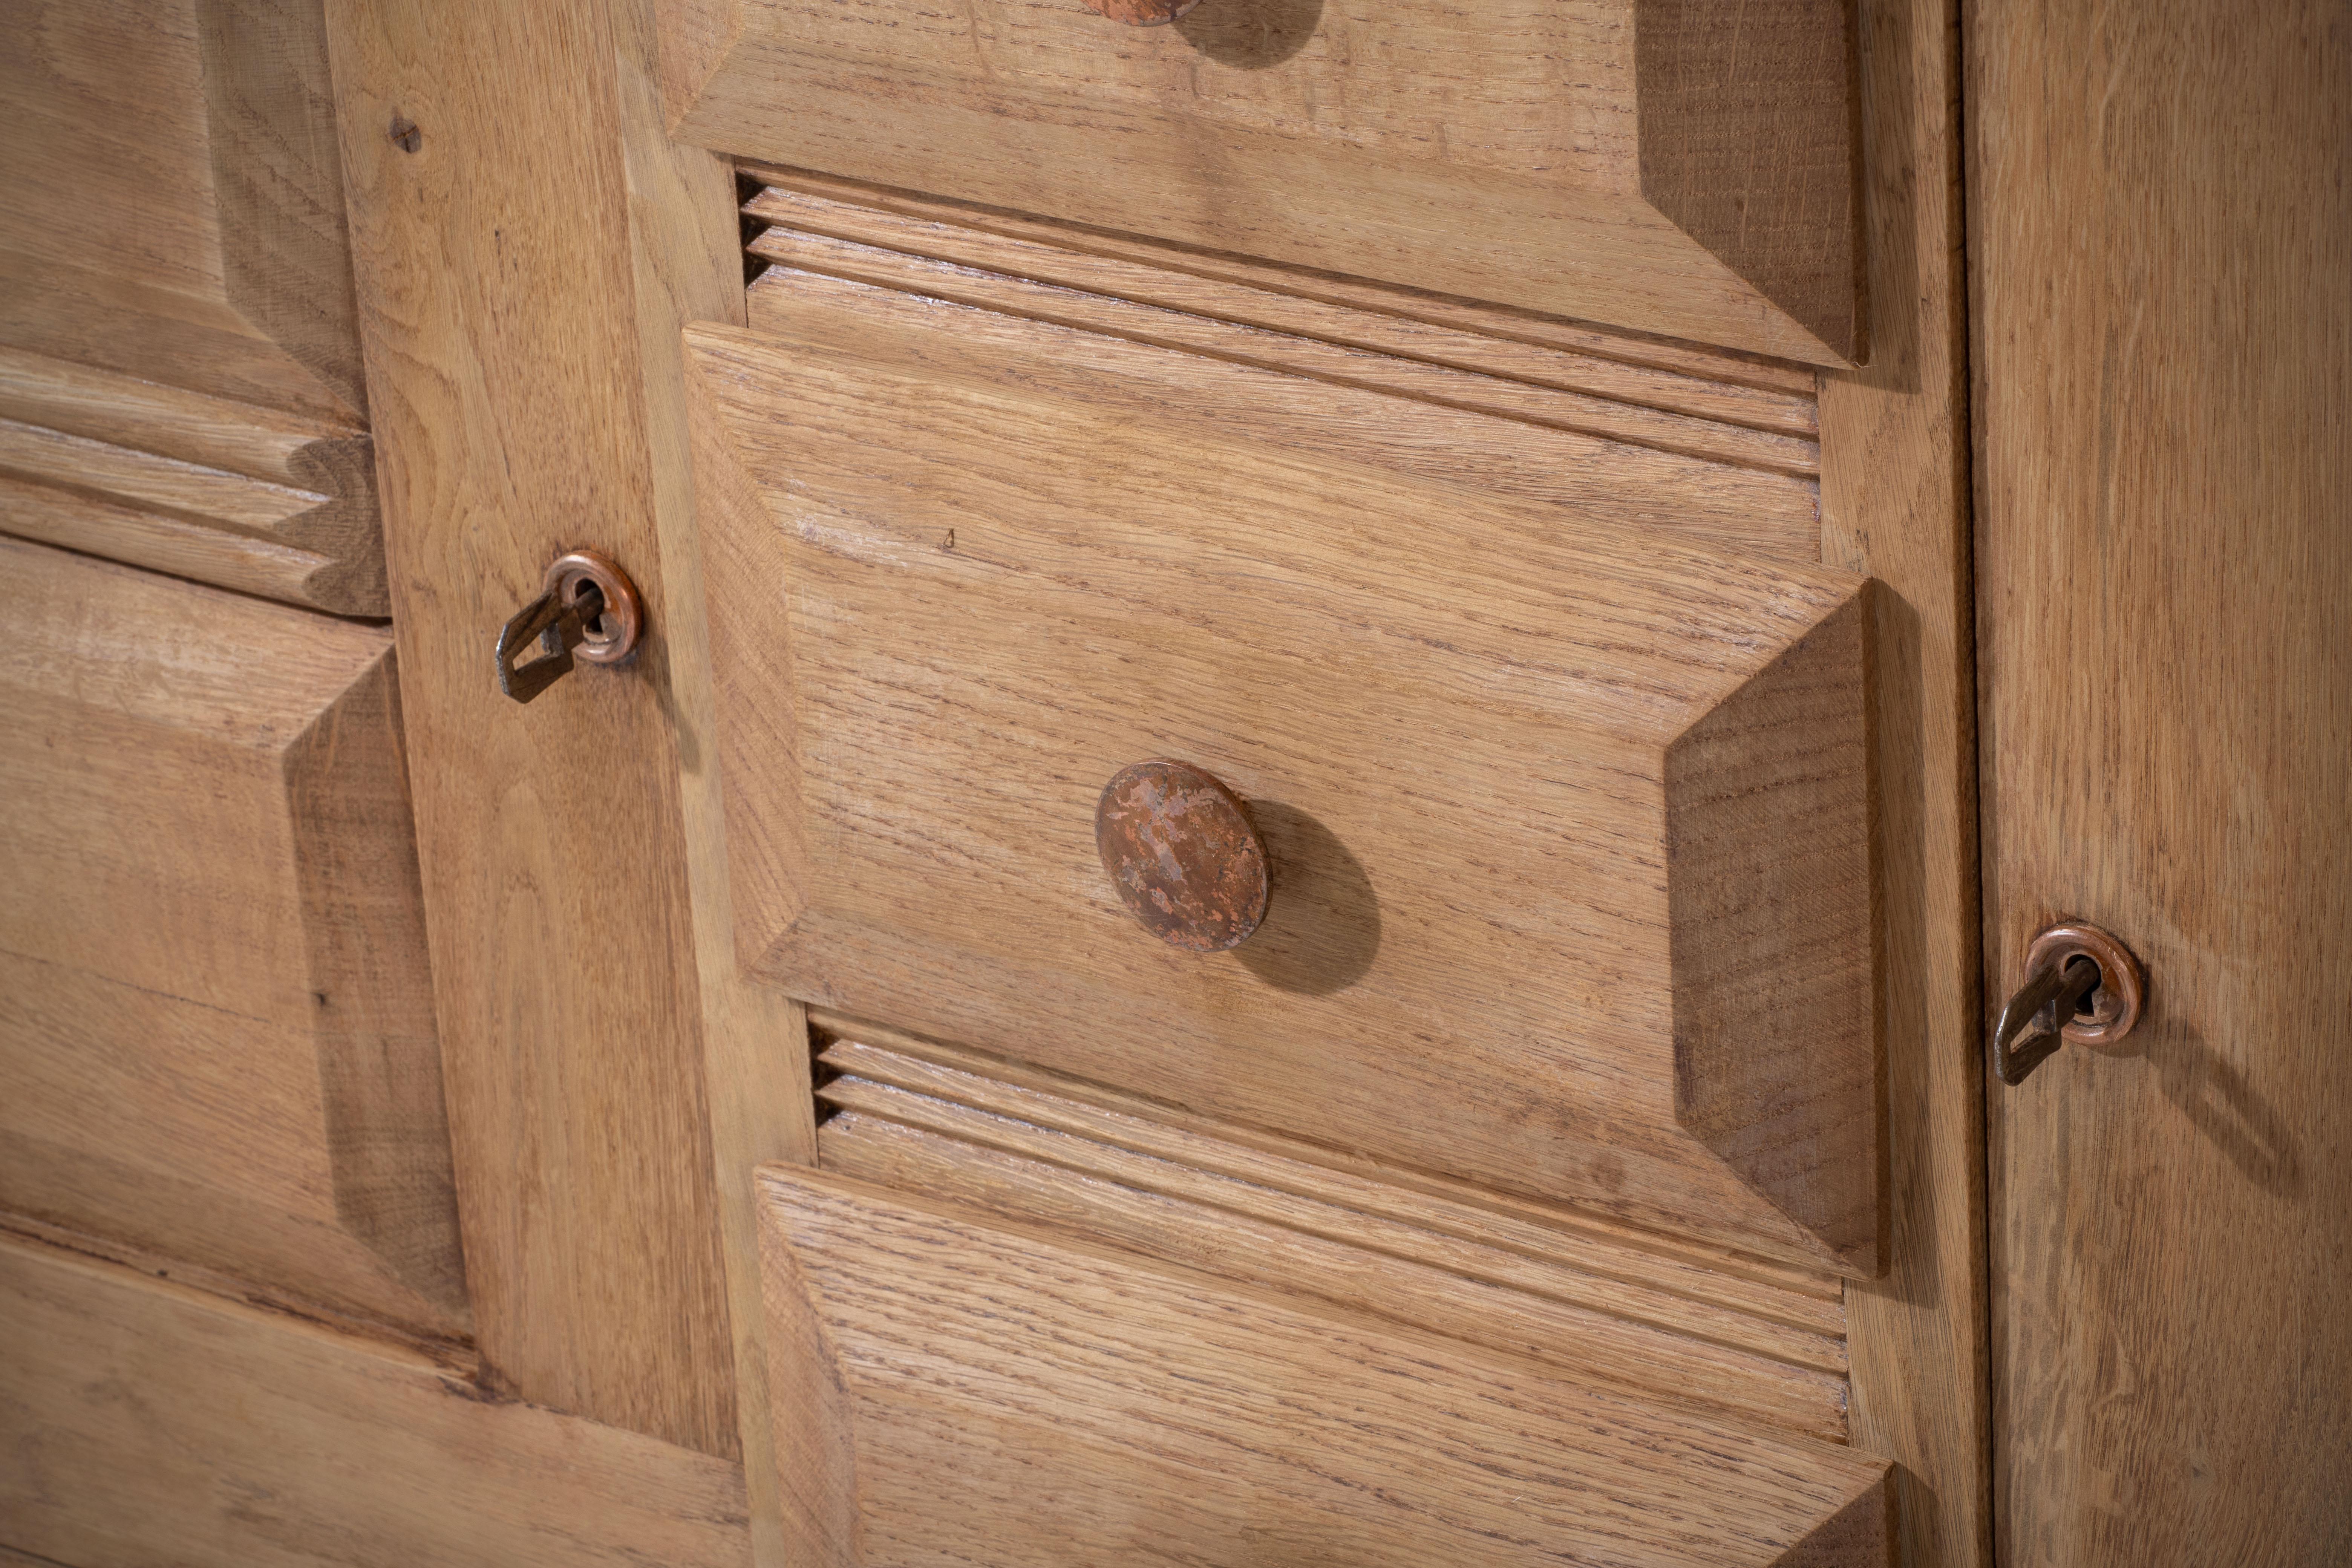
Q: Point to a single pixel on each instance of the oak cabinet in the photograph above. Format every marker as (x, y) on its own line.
(1511, 464)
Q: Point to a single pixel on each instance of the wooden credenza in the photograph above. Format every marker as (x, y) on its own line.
(794, 1098)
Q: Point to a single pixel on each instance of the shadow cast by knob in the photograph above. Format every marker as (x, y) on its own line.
(1322, 925)
(1250, 34)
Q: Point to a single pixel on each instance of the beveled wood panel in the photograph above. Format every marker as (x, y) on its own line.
(1682, 167)
(216, 1034)
(955, 1385)
(150, 1424)
(227, 493)
(1633, 1311)
(171, 207)
(1569, 821)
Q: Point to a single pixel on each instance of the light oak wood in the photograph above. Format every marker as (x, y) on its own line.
(1614, 361)
(1423, 437)
(1894, 504)
(172, 205)
(1149, 319)
(1675, 166)
(227, 493)
(150, 1424)
(1574, 822)
(2162, 236)
(686, 265)
(1805, 1299)
(1608, 372)
(215, 1030)
(307, 548)
(1010, 1393)
(500, 283)
(180, 382)
(1588, 1302)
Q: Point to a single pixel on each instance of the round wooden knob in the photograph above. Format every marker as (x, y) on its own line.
(1141, 13)
(1180, 850)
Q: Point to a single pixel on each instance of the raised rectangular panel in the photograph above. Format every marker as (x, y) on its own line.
(1684, 167)
(1570, 819)
(952, 1385)
(217, 1038)
(172, 205)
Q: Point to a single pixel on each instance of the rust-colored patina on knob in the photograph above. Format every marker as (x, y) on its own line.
(1141, 13)
(1181, 849)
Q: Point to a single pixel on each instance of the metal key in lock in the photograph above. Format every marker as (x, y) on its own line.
(2082, 987)
(587, 609)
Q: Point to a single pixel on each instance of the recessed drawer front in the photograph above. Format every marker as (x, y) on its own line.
(1568, 820)
(952, 1387)
(217, 1041)
(1684, 167)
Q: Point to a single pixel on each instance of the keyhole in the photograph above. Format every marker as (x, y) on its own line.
(2087, 1011)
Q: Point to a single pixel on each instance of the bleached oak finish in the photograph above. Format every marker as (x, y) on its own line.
(152, 1423)
(1894, 504)
(1806, 1299)
(217, 1036)
(1605, 1307)
(1428, 426)
(1569, 824)
(1019, 1395)
(1606, 374)
(200, 487)
(687, 266)
(2162, 236)
(1150, 320)
(172, 208)
(1677, 167)
(1633, 366)
(500, 285)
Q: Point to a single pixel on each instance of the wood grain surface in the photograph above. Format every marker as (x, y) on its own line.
(1894, 504)
(216, 1034)
(501, 284)
(688, 265)
(1635, 367)
(1426, 421)
(2163, 235)
(150, 1424)
(224, 493)
(1015, 1394)
(1682, 167)
(1685, 402)
(1149, 318)
(172, 205)
(1615, 1307)
(1486, 767)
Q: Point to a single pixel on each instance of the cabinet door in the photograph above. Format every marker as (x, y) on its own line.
(2164, 374)
(1568, 818)
(1476, 477)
